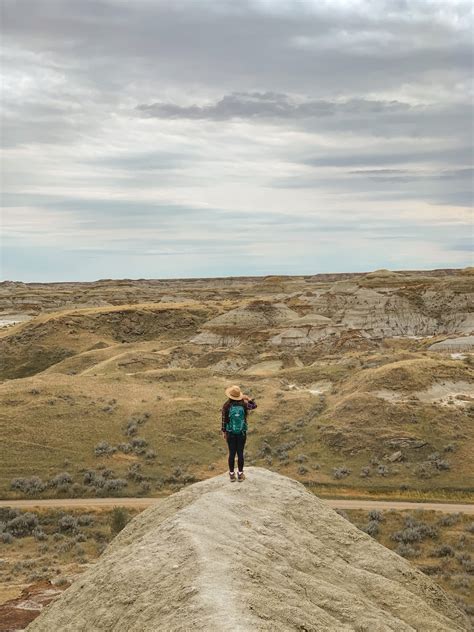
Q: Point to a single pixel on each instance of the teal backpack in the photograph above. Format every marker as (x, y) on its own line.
(236, 423)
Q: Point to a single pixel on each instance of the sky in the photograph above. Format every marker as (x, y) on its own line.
(201, 138)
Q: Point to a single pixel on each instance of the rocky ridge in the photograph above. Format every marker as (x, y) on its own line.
(264, 555)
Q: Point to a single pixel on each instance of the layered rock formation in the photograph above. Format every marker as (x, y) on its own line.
(262, 555)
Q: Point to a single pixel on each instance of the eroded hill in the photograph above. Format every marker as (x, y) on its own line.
(260, 555)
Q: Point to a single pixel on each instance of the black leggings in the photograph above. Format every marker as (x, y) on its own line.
(236, 443)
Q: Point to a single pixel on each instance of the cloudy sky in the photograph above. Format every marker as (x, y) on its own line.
(186, 138)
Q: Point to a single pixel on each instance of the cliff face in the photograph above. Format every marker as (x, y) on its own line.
(262, 555)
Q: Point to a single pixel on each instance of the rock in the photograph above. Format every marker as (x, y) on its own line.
(264, 555)
(396, 456)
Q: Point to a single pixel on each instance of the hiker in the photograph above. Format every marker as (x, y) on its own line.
(234, 427)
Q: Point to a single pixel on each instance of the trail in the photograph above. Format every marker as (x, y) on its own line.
(142, 503)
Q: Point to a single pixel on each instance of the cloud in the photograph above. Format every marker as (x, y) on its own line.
(268, 105)
(149, 131)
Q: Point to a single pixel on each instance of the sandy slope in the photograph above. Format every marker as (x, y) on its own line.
(264, 555)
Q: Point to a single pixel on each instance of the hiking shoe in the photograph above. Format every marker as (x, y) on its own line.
(240, 476)
(232, 476)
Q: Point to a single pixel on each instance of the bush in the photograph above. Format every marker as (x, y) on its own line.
(449, 520)
(126, 448)
(405, 550)
(39, 534)
(365, 472)
(150, 455)
(382, 470)
(67, 523)
(265, 449)
(22, 525)
(134, 473)
(414, 532)
(104, 449)
(6, 538)
(372, 528)
(340, 472)
(302, 470)
(32, 486)
(118, 519)
(114, 484)
(61, 480)
(443, 551)
(139, 444)
(301, 458)
(85, 520)
(131, 429)
(375, 514)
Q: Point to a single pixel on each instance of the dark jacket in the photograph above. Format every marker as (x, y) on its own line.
(248, 405)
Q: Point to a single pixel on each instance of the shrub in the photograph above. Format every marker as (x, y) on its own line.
(382, 470)
(372, 528)
(22, 525)
(131, 429)
(302, 470)
(365, 472)
(405, 550)
(134, 473)
(139, 444)
(39, 534)
(375, 514)
(85, 520)
(449, 520)
(115, 484)
(150, 455)
(340, 472)
(61, 480)
(443, 551)
(414, 532)
(265, 449)
(126, 448)
(6, 538)
(89, 477)
(80, 537)
(301, 458)
(103, 449)
(33, 485)
(67, 523)
(118, 519)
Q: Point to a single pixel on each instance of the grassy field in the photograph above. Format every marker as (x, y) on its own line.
(158, 428)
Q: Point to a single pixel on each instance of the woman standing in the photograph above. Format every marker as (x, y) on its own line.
(234, 427)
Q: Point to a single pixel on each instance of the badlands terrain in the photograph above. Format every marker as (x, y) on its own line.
(364, 385)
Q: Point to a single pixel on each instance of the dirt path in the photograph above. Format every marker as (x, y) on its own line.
(104, 503)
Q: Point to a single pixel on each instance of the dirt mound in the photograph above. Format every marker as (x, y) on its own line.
(264, 555)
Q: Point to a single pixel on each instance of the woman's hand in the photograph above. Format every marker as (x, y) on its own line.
(224, 435)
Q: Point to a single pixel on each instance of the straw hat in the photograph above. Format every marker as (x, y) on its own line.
(234, 392)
